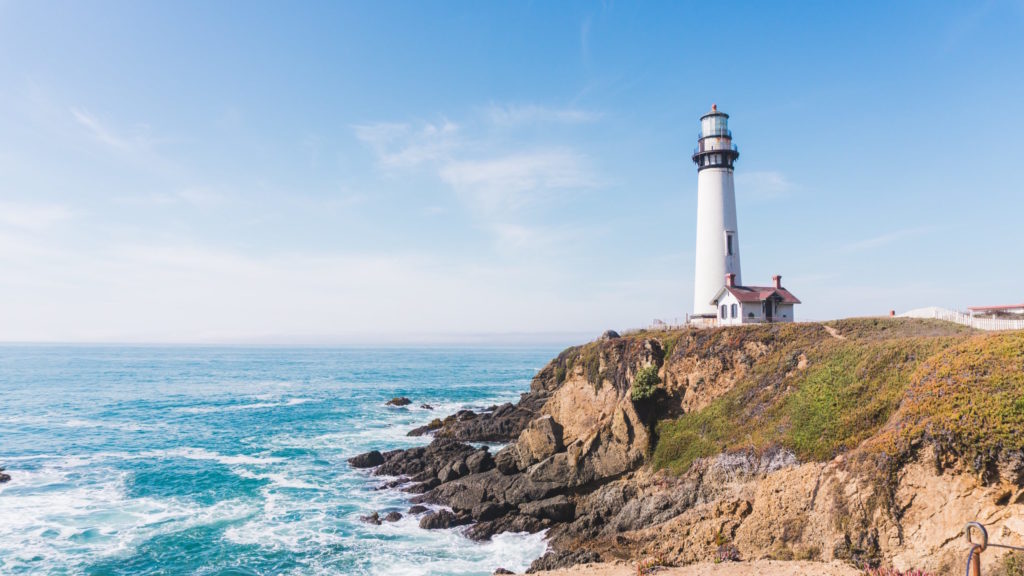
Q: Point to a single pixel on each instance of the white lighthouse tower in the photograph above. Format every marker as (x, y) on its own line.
(718, 241)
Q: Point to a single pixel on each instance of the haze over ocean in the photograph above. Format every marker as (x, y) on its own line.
(127, 460)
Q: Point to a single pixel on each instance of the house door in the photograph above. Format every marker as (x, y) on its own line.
(768, 310)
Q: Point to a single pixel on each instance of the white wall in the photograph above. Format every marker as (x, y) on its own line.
(716, 214)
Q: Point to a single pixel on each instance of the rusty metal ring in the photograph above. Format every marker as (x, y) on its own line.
(984, 535)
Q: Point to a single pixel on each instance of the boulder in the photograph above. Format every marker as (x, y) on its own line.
(507, 460)
(393, 517)
(479, 461)
(426, 406)
(418, 509)
(371, 519)
(487, 511)
(610, 335)
(398, 401)
(444, 519)
(541, 439)
(563, 559)
(556, 509)
(498, 571)
(367, 460)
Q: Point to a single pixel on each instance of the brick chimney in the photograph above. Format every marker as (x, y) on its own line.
(730, 280)
(777, 280)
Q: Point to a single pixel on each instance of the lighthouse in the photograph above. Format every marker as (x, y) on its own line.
(718, 241)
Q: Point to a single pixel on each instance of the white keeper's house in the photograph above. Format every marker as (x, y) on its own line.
(753, 304)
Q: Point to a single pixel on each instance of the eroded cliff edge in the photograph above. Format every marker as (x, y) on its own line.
(867, 440)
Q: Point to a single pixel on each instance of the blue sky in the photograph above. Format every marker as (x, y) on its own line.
(453, 171)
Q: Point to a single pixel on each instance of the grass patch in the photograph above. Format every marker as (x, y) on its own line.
(847, 393)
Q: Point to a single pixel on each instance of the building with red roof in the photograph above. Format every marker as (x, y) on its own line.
(753, 304)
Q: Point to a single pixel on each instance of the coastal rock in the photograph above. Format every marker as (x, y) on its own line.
(398, 401)
(482, 531)
(418, 509)
(563, 559)
(541, 439)
(499, 571)
(371, 519)
(507, 460)
(556, 509)
(488, 511)
(4, 477)
(424, 462)
(366, 460)
(610, 335)
(393, 517)
(426, 406)
(444, 519)
(480, 461)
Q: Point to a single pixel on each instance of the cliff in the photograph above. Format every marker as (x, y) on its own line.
(865, 441)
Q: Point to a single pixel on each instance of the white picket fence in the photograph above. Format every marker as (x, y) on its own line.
(965, 319)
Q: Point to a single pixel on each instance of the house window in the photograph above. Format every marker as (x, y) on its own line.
(723, 312)
(728, 243)
(733, 310)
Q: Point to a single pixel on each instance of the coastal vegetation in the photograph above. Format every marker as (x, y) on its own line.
(891, 383)
(809, 442)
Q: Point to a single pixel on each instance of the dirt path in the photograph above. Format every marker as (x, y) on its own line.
(758, 568)
(835, 333)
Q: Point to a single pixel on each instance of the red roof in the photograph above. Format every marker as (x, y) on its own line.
(761, 293)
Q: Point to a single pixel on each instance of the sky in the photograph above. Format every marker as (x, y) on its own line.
(437, 172)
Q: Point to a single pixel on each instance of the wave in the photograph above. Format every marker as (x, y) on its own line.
(238, 407)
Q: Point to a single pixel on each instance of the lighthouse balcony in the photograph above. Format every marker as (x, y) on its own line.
(711, 147)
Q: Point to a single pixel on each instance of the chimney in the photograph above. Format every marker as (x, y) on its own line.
(777, 280)
(730, 280)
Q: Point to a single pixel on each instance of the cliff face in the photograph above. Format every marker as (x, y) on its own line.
(870, 441)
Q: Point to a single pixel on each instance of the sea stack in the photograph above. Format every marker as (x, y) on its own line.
(718, 244)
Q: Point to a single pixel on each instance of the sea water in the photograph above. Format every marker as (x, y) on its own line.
(175, 460)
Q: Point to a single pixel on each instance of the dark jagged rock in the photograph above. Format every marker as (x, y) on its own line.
(488, 511)
(4, 477)
(426, 406)
(418, 509)
(498, 571)
(563, 559)
(480, 461)
(398, 401)
(424, 462)
(507, 460)
(610, 335)
(371, 519)
(508, 523)
(393, 517)
(444, 519)
(556, 509)
(366, 460)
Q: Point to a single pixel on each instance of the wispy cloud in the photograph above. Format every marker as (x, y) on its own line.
(884, 239)
(402, 146)
(107, 136)
(516, 115)
(764, 185)
(509, 183)
(32, 217)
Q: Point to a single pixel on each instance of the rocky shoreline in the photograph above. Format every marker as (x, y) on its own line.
(579, 459)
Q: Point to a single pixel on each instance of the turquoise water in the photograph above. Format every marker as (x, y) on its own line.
(132, 460)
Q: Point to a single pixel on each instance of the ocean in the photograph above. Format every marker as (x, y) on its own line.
(209, 460)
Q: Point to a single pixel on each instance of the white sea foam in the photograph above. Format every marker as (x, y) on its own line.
(239, 407)
(190, 453)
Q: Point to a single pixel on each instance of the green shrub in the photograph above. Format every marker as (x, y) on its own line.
(645, 385)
